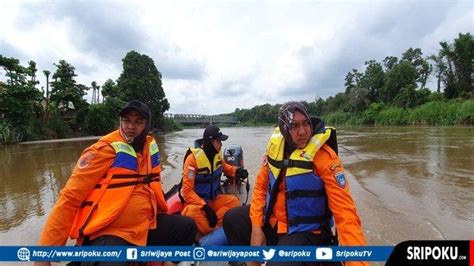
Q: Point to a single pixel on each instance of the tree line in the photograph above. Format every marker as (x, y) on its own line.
(394, 92)
(390, 92)
(60, 110)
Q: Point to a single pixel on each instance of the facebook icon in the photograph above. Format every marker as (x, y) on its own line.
(132, 253)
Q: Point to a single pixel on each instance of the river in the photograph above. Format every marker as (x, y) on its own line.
(407, 182)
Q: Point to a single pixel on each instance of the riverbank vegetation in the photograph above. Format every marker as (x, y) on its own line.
(60, 110)
(394, 92)
(391, 92)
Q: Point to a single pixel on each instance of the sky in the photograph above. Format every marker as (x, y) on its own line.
(216, 56)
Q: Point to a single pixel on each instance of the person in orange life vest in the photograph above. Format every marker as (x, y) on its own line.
(201, 182)
(114, 195)
(300, 187)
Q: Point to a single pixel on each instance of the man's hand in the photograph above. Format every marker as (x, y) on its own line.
(241, 173)
(210, 215)
(258, 237)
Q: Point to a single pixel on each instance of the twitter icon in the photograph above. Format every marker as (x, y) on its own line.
(268, 255)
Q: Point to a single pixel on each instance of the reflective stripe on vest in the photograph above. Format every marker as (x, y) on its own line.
(154, 154)
(306, 202)
(125, 156)
(207, 184)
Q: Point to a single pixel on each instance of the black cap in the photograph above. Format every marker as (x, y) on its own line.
(213, 132)
(137, 106)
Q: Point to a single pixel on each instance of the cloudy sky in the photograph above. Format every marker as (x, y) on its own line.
(216, 56)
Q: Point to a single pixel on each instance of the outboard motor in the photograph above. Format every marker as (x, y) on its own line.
(234, 155)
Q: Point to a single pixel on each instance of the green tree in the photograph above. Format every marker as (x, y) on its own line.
(464, 61)
(359, 99)
(95, 95)
(99, 120)
(339, 103)
(352, 80)
(401, 75)
(449, 79)
(141, 80)
(316, 108)
(372, 81)
(389, 62)
(456, 66)
(20, 97)
(423, 68)
(47, 73)
(110, 95)
(109, 89)
(407, 97)
(439, 69)
(64, 89)
(31, 71)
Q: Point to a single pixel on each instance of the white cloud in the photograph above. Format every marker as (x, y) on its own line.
(216, 56)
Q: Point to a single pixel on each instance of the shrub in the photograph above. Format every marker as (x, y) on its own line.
(465, 113)
(370, 115)
(100, 120)
(392, 116)
(8, 134)
(36, 130)
(57, 127)
(167, 124)
(338, 118)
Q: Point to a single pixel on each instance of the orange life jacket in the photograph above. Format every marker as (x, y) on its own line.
(112, 192)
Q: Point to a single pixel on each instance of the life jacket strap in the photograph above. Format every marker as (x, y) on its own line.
(290, 163)
(299, 193)
(292, 221)
(201, 181)
(86, 203)
(203, 171)
(145, 179)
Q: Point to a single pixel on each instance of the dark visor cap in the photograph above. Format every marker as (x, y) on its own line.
(137, 106)
(213, 132)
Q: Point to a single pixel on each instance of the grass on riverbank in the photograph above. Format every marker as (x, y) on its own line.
(432, 113)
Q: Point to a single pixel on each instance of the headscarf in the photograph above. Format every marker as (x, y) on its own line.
(285, 118)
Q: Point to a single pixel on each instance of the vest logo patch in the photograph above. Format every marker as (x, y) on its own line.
(340, 179)
(85, 160)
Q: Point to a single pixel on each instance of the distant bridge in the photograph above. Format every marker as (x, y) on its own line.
(196, 119)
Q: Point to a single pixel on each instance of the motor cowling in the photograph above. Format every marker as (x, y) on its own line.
(234, 155)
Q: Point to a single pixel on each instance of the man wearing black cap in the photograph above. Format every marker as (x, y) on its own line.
(202, 179)
(114, 195)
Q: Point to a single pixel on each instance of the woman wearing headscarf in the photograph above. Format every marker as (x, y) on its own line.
(300, 192)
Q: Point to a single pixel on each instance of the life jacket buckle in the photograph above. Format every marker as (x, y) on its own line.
(147, 179)
(288, 163)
